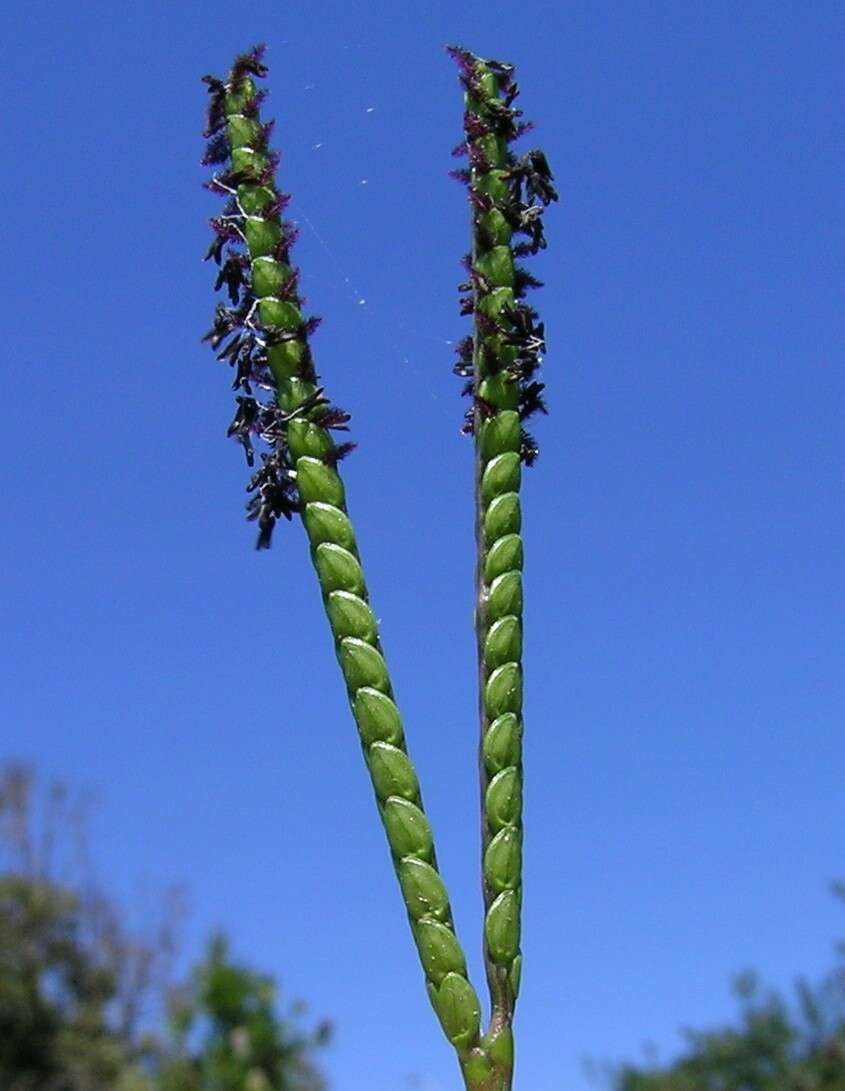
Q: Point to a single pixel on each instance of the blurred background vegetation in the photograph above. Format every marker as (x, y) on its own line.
(777, 1043)
(88, 1003)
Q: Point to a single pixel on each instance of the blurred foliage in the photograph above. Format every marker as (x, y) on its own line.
(55, 995)
(777, 1044)
(239, 1043)
(88, 1004)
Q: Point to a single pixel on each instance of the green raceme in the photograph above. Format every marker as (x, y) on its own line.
(499, 362)
(281, 406)
(300, 476)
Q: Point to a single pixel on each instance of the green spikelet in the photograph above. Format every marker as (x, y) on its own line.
(499, 361)
(265, 336)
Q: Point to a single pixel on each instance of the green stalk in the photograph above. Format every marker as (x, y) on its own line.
(500, 361)
(301, 476)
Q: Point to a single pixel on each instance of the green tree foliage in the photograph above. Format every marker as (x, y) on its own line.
(87, 1003)
(54, 996)
(72, 980)
(228, 1036)
(778, 1044)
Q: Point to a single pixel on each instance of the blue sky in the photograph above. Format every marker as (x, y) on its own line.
(683, 525)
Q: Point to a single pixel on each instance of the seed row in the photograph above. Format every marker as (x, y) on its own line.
(305, 450)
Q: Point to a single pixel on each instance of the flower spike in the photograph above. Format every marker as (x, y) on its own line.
(261, 332)
(508, 195)
(264, 336)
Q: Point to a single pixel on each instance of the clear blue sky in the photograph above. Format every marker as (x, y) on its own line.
(685, 630)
